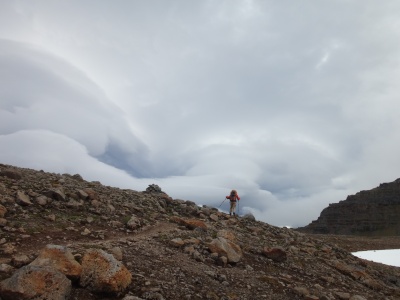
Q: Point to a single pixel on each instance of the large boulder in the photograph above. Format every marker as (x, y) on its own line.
(224, 247)
(101, 272)
(60, 258)
(33, 282)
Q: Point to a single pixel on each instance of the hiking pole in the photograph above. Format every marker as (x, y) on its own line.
(222, 202)
(238, 208)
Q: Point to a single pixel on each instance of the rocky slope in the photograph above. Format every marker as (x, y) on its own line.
(66, 238)
(375, 212)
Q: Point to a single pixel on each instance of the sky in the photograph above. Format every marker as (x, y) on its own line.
(292, 103)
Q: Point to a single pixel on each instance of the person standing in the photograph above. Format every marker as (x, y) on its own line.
(233, 197)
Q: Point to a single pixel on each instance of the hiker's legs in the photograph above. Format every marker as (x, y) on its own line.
(233, 208)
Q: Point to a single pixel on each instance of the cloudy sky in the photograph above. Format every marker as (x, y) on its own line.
(293, 103)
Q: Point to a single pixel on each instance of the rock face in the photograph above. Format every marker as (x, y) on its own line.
(375, 212)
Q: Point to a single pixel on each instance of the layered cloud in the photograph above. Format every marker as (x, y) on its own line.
(294, 105)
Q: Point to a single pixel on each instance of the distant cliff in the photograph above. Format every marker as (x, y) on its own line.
(375, 212)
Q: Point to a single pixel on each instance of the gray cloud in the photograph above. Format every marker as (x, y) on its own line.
(294, 105)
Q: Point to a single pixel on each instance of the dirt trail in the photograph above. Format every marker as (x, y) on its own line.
(75, 240)
(146, 233)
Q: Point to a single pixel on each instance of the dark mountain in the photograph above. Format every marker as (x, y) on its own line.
(375, 212)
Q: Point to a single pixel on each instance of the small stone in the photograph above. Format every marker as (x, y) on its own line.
(117, 253)
(51, 217)
(85, 232)
(178, 242)
(3, 211)
(4, 268)
(20, 260)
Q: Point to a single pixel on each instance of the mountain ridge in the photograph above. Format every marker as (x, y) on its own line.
(374, 212)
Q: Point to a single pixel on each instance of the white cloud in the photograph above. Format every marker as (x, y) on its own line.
(295, 110)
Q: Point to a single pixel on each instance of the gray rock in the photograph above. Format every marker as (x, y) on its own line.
(56, 194)
(23, 199)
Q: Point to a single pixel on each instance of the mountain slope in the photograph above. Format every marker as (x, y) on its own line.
(172, 248)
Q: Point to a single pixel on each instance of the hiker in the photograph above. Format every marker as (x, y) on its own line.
(233, 197)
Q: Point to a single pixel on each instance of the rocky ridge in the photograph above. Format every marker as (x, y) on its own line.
(372, 213)
(84, 240)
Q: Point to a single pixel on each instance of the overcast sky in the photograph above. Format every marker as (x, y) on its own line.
(293, 103)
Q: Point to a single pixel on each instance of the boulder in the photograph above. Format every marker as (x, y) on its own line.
(249, 216)
(23, 199)
(226, 234)
(276, 254)
(33, 282)
(82, 194)
(56, 194)
(20, 260)
(133, 223)
(5, 268)
(59, 258)
(101, 272)
(226, 248)
(41, 200)
(91, 194)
